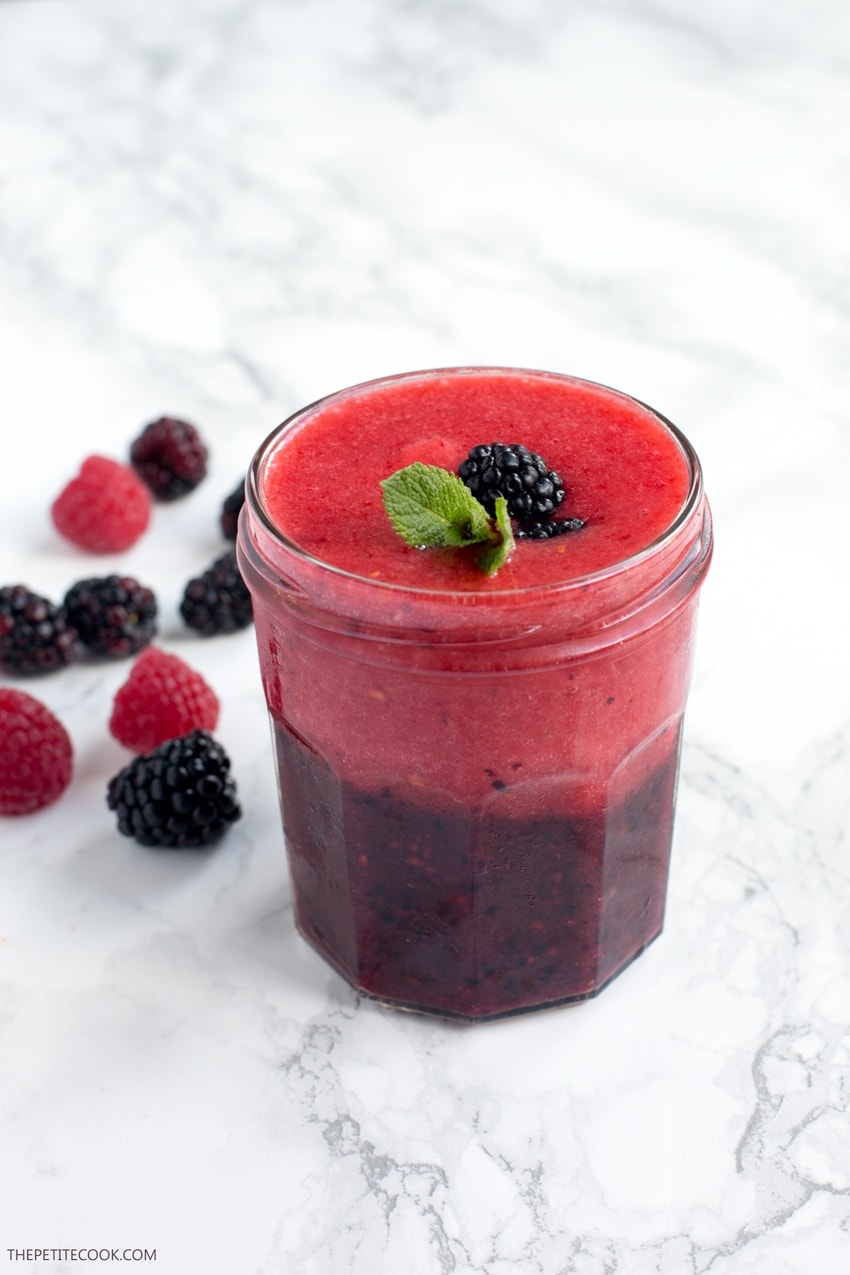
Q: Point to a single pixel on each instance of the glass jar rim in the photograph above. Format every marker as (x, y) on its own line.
(493, 594)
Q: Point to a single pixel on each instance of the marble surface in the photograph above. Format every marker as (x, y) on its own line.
(225, 208)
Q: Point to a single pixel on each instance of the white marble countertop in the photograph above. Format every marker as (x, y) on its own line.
(225, 208)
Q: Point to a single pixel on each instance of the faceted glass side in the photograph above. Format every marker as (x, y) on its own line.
(476, 912)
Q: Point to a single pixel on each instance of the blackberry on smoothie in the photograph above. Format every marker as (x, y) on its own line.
(477, 742)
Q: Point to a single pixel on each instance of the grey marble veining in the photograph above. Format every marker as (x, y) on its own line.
(226, 208)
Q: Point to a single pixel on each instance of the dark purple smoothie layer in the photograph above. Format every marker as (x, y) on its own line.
(466, 912)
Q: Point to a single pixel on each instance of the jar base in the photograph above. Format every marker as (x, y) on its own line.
(486, 1016)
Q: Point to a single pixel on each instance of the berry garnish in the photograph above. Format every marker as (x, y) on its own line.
(35, 635)
(170, 457)
(546, 530)
(217, 601)
(522, 477)
(180, 795)
(161, 699)
(36, 758)
(104, 509)
(230, 510)
(115, 616)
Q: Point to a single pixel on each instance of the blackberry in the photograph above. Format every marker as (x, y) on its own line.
(217, 601)
(546, 530)
(35, 635)
(181, 795)
(230, 510)
(169, 457)
(114, 615)
(532, 490)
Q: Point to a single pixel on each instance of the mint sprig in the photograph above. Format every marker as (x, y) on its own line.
(430, 507)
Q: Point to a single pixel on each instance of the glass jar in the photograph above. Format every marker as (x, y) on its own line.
(477, 788)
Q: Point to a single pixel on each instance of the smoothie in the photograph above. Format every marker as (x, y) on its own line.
(625, 474)
(477, 774)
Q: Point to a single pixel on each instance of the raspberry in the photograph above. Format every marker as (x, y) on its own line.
(36, 758)
(114, 616)
(35, 636)
(218, 600)
(180, 795)
(104, 509)
(228, 519)
(161, 699)
(169, 457)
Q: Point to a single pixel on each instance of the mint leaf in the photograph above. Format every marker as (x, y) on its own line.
(429, 507)
(497, 555)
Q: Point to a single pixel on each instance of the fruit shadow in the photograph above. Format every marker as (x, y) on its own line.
(115, 869)
(263, 950)
(47, 545)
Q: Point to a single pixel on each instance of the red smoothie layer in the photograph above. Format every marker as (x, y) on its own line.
(625, 474)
